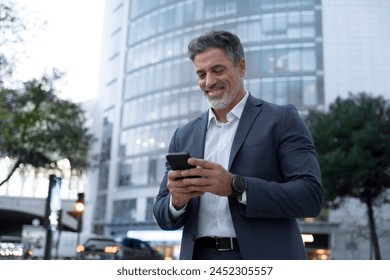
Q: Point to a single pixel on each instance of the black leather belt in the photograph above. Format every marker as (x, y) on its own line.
(219, 243)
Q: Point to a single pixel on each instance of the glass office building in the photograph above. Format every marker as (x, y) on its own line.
(149, 87)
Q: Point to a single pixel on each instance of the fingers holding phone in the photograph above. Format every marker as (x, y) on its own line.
(179, 161)
(181, 193)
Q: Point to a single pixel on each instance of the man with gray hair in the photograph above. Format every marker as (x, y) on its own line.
(256, 167)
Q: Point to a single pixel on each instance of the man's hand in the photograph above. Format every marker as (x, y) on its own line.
(180, 192)
(213, 178)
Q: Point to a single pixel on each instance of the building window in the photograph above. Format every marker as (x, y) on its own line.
(108, 121)
(152, 174)
(141, 171)
(309, 97)
(294, 60)
(295, 91)
(268, 27)
(138, 171)
(308, 59)
(253, 61)
(124, 175)
(267, 90)
(149, 217)
(103, 176)
(267, 62)
(281, 91)
(124, 211)
(100, 207)
(280, 22)
(280, 60)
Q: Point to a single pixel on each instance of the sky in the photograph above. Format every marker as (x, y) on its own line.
(69, 41)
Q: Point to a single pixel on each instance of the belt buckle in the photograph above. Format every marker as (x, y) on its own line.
(223, 249)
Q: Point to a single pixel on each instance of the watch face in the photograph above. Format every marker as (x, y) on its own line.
(239, 184)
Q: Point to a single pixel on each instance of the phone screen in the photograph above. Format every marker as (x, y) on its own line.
(178, 161)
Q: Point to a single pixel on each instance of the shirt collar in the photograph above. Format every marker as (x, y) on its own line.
(235, 112)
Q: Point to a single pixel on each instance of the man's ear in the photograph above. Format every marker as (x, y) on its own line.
(242, 65)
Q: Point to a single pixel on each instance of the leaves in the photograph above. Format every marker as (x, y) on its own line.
(353, 145)
(38, 128)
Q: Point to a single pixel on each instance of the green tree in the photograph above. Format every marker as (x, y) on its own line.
(353, 146)
(38, 128)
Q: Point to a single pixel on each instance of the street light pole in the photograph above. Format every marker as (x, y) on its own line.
(79, 225)
(49, 235)
(77, 213)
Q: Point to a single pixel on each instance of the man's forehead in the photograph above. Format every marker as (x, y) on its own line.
(212, 56)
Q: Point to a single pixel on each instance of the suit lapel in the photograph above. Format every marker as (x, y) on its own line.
(249, 115)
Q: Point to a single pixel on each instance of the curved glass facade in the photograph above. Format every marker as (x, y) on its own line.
(159, 90)
(282, 42)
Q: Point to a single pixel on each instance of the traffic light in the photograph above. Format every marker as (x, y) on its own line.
(78, 207)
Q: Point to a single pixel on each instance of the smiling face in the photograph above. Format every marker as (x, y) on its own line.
(220, 79)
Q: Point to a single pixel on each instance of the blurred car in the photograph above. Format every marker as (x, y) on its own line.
(136, 249)
(99, 248)
(107, 248)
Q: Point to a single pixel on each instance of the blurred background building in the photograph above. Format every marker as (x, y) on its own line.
(304, 52)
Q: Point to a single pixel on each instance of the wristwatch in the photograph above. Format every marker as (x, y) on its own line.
(238, 186)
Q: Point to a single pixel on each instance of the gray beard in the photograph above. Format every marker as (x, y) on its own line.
(220, 103)
(223, 101)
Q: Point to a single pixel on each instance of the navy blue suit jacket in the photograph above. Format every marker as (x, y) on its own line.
(274, 150)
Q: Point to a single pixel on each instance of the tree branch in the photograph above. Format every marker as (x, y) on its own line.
(16, 165)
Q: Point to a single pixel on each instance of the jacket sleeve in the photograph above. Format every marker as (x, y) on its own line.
(161, 206)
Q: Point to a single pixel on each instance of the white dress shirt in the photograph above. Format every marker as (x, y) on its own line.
(214, 212)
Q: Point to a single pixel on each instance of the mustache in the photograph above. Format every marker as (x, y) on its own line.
(214, 87)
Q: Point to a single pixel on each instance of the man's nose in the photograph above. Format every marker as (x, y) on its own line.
(210, 81)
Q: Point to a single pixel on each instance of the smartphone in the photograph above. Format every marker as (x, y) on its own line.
(178, 161)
